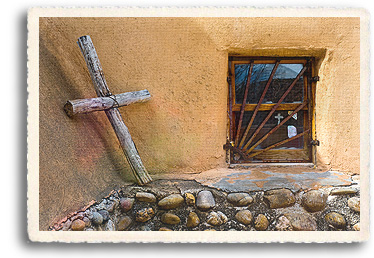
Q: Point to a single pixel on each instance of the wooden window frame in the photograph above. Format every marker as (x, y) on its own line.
(305, 155)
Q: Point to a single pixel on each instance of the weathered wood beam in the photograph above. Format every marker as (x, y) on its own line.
(114, 116)
(80, 106)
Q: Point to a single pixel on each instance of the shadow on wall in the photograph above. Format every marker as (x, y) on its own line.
(80, 158)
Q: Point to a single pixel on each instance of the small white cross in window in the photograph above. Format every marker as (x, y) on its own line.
(279, 117)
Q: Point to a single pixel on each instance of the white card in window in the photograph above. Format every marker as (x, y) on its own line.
(294, 116)
(292, 131)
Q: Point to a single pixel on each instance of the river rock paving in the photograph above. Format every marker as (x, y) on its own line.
(314, 200)
(354, 204)
(186, 205)
(192, 220)
(205, 200)
(239, 199)
(171, 202)
(126, 203)
(335, 220)
(78, 225)
(190, 199)
(124, 223)
(169, 218)
(110, 226)
(165, 229)
(244, 216)
(144, 215)
(301, 221)
(97, 218)
(261, 222)
(280, 198)
(104, 214)
(217, 218)
(343, 191)
(145, 197)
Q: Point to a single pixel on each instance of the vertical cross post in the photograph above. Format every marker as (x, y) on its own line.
(96, 72)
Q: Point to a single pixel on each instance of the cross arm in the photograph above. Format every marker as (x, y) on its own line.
(79, 106)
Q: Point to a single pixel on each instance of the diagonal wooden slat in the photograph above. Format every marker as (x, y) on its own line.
(258, 104)
(276, 128)
(244, 103)
(275, 107)
(278, 144)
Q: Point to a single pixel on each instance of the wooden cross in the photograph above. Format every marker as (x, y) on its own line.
(109, 104)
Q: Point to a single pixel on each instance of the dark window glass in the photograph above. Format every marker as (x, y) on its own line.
(241, 75)
(282, 79)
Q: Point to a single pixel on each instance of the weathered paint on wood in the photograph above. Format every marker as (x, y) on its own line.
(113, 114)
(80, 106)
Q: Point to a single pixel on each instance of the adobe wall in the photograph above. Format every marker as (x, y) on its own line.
(183, 64)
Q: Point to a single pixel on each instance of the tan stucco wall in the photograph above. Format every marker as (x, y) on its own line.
(183, 64)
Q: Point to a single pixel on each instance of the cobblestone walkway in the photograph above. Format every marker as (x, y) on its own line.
(180, 205)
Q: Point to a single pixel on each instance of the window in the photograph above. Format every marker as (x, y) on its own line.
(271, 110)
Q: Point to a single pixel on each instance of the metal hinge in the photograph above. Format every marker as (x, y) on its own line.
(314, 142)
(229, 79)
(228, 145)
(314, 79)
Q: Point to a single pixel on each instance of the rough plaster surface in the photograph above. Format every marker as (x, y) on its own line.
(183, 64)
